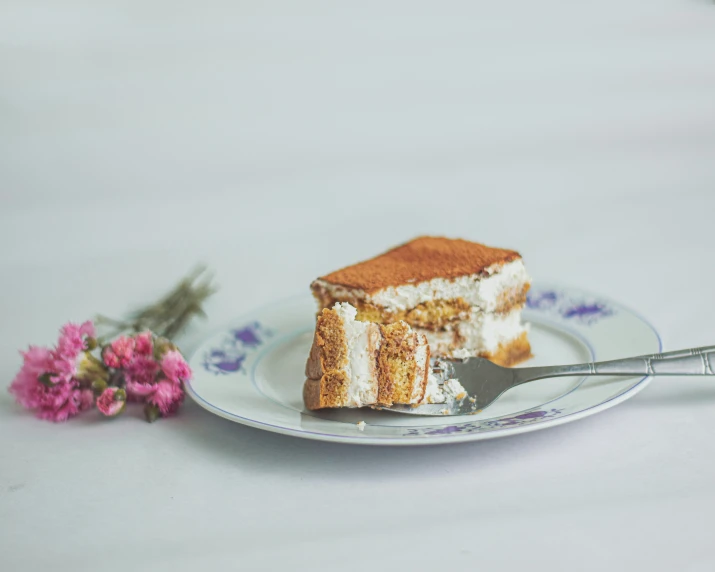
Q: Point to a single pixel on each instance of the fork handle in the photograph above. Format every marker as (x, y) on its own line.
(694, 361)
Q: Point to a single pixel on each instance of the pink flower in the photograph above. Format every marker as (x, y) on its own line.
(175, 367)
(24, 387)
(112, 401)
(72, 339)
(109, 358)
(119, 353)
(58, 402)
(47, 383)
(140, 376)
(66, 357)
(167, 396)
(144, 345)
(54, 401)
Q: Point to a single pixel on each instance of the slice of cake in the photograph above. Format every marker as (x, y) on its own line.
(353, 363)
(466, 298)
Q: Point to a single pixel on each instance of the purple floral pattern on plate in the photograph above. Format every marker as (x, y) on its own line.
(584, 311)
(489, 425)
(237, 344)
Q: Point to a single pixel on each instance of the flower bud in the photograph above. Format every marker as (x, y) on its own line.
(90, 368)
(162, 346)
(98, 386)
(112, 401)
(151, 412)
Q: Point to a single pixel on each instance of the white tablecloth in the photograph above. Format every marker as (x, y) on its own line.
(279, 140)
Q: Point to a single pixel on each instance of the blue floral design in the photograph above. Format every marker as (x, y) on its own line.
(586, 312)
(491, 424)
(541, 300)
(237, 344)
(249, 336)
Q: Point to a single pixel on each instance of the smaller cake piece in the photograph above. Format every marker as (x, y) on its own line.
(354, 364)
(342, 366)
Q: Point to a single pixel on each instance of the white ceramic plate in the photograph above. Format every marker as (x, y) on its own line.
(252, 373)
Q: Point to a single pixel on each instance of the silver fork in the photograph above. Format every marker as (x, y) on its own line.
(485, 381)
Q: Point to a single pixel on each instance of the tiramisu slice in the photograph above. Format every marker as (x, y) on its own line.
(353, 363)
(466, 298)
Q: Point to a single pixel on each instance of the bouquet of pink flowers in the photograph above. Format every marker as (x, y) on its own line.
(81, 372)
(60, 382)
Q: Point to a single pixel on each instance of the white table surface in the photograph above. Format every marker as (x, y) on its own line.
(279, 140)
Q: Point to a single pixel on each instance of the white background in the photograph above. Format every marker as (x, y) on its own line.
(279, 140)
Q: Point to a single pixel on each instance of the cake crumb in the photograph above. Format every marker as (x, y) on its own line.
(361, 426)
(445, 412)
(433, 391)
(461, 353)
(453, 389)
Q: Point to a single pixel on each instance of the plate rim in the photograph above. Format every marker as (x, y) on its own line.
(362, 439)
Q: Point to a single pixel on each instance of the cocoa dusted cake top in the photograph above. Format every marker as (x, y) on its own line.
(419, 260)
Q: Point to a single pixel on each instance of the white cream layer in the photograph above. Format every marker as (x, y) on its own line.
(482, 333)
(360, 368)
(475, 289)
(422, 362)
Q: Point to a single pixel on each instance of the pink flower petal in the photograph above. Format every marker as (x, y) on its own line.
(123, 349)
(167, 397)
(86, 399)
(144, 344)
(141, 370)
(109, 358)
(87, 329)
(138, 391)
(175, 367)
(72, 339)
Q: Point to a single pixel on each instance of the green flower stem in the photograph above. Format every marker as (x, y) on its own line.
(168, 316)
